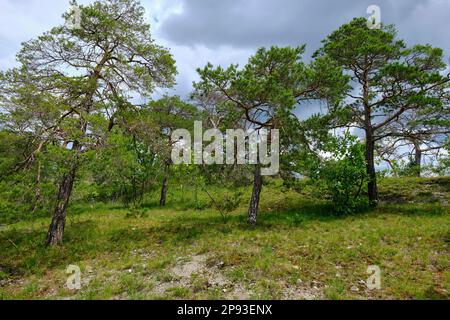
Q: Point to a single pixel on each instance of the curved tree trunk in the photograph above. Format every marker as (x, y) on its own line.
(254, 202)
(56, 230)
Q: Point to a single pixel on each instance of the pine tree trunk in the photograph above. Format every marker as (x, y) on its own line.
(370, 145)
(37, 192)
(254, 202)
(418, 160)
(165, 184)
(56, 231)
(371, 172)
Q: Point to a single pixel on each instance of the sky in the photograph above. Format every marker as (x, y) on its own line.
(229, 31)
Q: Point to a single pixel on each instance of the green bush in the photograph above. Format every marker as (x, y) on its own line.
(228, 204)
(341, 173)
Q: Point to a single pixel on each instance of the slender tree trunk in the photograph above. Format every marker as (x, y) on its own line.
(394, 171)
(56, 230)
(37, 192)
(254, 202)
(417, 159)
(370, 143)
(371, 172)
(165, 186)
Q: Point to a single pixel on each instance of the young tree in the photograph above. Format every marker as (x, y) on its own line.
(217, 112)
(417, 134)
(266, 90)
(124, 168)
(388, 81)
(86, 76)
(168, 114)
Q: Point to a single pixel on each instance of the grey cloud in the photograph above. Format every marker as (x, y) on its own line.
(228, 31)
(254, 23)
(228, 26)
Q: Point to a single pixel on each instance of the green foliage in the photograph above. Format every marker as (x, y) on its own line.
(406, 168)
(125, 169)
(74, 89)
(443, 165)
(341, 172)
(391, 87)
(227, 203)
(273, 81)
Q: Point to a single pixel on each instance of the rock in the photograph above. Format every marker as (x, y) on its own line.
(354, 289)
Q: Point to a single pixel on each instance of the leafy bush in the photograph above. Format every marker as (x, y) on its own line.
(341, 173)
(227, 204)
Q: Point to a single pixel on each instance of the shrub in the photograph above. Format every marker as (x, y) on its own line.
(227, 204)
(341, 173)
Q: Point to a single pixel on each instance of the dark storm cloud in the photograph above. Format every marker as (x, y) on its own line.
(254, 23)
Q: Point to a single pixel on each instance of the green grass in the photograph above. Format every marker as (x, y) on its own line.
(299, 250)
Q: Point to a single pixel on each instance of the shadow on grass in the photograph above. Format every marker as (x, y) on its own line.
(188, 228)
(294, 215)
(23, 251)
(431, 209)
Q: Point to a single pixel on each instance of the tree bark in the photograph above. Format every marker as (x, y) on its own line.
(56, 230)
(371, 172)
(417, 160)
(37, 192)
(254, 202)
(370, 143)
(162, 201)
(165, 186)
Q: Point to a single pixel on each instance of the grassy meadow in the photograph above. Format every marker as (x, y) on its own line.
(299, 250)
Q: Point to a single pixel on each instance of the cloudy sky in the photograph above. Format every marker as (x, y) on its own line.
(229, 31)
